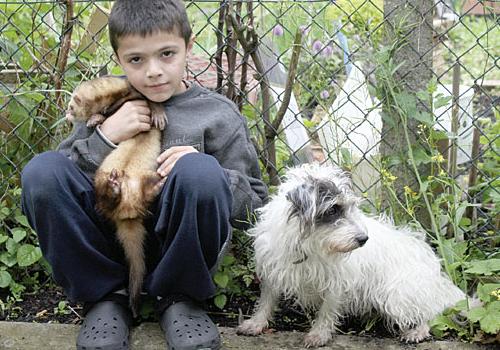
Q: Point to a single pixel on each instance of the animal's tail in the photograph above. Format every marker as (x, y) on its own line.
(131, 234)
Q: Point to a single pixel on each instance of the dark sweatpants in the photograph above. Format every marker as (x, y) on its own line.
(187, 229)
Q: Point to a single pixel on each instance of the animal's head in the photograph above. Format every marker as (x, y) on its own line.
(76, 109)
(325, 207)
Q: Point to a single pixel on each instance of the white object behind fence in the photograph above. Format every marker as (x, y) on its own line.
(350, 133)
(465, 118)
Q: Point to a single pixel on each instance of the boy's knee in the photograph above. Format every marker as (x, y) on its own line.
(200, 171)
(40, 172)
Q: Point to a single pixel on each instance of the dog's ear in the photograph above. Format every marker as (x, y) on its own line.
(303, 206)
(327, 190)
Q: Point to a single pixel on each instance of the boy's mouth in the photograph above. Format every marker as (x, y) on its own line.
(157, 86)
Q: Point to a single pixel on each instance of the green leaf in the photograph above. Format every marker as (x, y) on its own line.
(228, 260)
(3, 238)
(490, 323)
(393, 160)
(116, 70)
(5, 279)
(420, 156)
(483, 267)
(11, 245)
(309, 124)
(18, 234)
(221, 279)
(220, 301)
(423, 95)
(432, 85)
(8, 259)
(248, 279)
(465, 221)
(388, 119)
(423, 117)
(28, 254)
(22, 220)
(440, 100)
(484, 291)
(476, 314)
(438, 135)
(441, 324)
(4, 212)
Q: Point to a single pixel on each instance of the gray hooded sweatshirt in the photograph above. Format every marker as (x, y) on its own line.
(205, 120)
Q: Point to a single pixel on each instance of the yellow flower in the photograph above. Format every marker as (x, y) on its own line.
(387, 176)
(496, 293)
(438, 158)
(409, 191)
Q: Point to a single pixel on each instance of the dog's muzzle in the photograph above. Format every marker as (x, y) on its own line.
(361, 239)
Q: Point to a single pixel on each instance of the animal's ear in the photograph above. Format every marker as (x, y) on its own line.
(327, 190)
(303, 206)
(77, 99)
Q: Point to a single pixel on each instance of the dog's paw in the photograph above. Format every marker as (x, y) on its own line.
(251, 327)
(314, 339)
(416, 335)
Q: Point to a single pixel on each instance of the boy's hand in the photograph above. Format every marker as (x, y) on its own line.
(132, 118)
(168, 158)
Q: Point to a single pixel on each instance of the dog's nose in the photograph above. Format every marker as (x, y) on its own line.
(361, 240)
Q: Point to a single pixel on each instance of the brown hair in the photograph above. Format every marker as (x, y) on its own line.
(144, 17)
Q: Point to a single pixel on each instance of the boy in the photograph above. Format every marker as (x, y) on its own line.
(213, 182)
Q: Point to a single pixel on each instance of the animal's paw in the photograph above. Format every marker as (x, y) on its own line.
(115, 180)
(153, 184)
(251, 327)
(95, 119)
(416, 335)
(158, 117)
(316, 338)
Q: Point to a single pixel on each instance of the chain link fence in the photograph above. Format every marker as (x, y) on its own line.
(404, 94)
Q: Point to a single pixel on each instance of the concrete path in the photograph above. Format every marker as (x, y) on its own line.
(148, 336)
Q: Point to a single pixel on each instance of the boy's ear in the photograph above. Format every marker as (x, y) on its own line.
(190, 44)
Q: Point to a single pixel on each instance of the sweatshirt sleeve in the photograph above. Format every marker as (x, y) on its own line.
(238, 158)
(86, 147)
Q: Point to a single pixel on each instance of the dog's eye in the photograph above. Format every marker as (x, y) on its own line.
(334, 210)
(331, 214)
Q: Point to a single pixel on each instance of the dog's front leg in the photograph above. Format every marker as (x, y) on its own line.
(263, 312)
(323, 325)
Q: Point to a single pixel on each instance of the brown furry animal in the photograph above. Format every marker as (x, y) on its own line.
(126, 182)
(94, 99)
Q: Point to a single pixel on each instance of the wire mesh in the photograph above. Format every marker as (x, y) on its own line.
(343, 104)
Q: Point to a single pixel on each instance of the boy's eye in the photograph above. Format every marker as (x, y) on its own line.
(167, 53)
(135, 60)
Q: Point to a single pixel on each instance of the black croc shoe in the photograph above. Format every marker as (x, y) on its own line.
(188, 327)
(106, 327)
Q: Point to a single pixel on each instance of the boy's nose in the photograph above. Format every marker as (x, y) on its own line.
(153, 70)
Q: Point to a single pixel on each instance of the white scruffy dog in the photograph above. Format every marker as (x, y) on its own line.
(312, 243)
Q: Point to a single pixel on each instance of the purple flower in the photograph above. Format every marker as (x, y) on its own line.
(304, 29)
(324, 94)
(327, 51)
(317, 46)
(278, 30)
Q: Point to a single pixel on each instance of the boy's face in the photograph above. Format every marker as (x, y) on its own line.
(154, 64)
